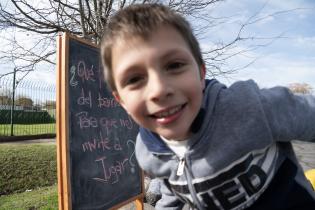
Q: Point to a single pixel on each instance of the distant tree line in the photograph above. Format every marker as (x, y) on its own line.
(25, 101)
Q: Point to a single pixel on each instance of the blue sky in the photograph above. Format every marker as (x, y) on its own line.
(286, 60)
(289, 59)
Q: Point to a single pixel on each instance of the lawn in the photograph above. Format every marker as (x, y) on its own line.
(23, 129)
(45, 198)
(28, 177)
(26, 167)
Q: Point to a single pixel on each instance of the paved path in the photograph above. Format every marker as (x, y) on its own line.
(305, 152)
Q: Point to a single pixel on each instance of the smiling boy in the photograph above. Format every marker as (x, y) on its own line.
(213, 147)
(170, 105)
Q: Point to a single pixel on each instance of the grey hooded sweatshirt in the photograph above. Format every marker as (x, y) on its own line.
(240, 155)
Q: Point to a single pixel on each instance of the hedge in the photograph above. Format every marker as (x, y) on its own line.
(25, 117)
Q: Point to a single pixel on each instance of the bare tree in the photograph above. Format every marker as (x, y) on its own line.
(87, 19)
(84, 18)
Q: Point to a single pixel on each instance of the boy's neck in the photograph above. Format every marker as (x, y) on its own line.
(173, 141)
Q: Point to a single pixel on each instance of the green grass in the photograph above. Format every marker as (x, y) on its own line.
(23, 129)
(40, 199)
(26, 167)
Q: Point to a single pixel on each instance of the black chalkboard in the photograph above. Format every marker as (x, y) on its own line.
(103, 169)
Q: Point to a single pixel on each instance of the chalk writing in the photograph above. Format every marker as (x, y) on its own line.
(104, 102)
(82, 100)
(85, 73)
(108, 122)
(128, 123)
(117, 145)
(73, 82)
(85, 121)
(101, 143)
(131, 160)
(111, 172)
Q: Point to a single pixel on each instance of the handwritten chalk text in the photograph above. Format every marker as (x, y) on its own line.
(111, 172)
(85, 100)
(104, 102)
(101, 143)
(84, 120)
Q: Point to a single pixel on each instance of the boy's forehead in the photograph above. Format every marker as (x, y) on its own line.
(161, 40)
(144, 35)
(128, 38)
(163, 45)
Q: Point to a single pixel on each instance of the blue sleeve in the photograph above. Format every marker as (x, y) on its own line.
(290, 116)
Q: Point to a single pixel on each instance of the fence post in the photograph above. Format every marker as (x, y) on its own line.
(13, 96)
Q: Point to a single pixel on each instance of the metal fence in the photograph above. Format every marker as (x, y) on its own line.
(27, 108)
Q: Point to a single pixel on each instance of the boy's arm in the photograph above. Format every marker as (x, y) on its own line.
(290, 116)
(168, 201)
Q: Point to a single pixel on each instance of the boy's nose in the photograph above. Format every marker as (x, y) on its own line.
(160, 89)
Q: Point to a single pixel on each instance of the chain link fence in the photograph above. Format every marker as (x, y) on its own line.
(27, 108)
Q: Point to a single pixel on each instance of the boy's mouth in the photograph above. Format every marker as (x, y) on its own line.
(169, 115)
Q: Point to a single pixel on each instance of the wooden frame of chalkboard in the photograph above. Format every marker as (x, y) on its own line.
(96, 163)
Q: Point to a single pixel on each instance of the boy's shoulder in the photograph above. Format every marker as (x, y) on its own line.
(147, 146)
(239, 91)
(247, 85)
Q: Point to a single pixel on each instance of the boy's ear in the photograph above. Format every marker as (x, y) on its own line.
(203, 75)
(117, 98)
(203, 71)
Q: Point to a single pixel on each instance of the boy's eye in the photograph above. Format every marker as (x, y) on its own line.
(133, 80)
(175, 65)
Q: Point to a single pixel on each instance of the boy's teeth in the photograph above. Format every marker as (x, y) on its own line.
(169, 112)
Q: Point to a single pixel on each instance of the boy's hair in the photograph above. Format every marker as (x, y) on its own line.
(140, 20)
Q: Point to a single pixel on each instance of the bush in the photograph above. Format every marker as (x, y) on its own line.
(26, 117)
(25, 167)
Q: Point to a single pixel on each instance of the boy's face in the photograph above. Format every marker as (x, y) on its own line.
(159, 82)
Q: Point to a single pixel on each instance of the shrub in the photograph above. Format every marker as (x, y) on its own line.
(26, 117)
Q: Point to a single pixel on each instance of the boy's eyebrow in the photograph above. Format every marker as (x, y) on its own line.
(174, 52)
